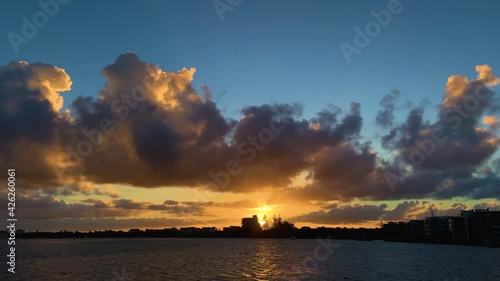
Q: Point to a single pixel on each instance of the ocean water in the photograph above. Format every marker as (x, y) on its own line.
(249, 259)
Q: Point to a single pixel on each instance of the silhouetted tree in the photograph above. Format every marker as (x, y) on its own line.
(276, 221)
(265, 226)
(280, 228)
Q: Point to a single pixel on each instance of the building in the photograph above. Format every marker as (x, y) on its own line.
(208, 230)
(481, 226)
(469, 222)
(395, 231)
(416, 230)
(188, 231)
(437, 229)
(232, 229)
(457, 229)
(251, 226)
(476, 227)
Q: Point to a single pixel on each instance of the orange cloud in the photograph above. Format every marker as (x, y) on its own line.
(490, 120)
(458, 85)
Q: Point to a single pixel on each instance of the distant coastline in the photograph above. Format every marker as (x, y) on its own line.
(359, 234)
(480, 227)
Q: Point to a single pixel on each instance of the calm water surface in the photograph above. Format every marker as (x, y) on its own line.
(249, 259)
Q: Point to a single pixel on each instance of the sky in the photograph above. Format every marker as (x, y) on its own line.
(339, 118)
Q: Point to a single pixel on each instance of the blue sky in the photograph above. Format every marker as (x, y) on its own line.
(266, 51)
(269, 51)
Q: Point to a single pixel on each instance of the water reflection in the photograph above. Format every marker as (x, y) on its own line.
(264, 260)
(270, 261)
(251, 259)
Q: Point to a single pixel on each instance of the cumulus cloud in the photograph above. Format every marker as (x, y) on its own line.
(486, 76)
(32, 126)
(174, 136)
(150, 128)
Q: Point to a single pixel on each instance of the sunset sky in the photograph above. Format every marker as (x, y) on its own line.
(128, 114)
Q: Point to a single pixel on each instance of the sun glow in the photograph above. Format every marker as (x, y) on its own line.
(263, 208)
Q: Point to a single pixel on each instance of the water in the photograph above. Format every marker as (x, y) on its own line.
(249, 259)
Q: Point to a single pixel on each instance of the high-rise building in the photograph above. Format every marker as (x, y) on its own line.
(251, 226)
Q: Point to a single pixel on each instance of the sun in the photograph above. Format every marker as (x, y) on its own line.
(262, 212)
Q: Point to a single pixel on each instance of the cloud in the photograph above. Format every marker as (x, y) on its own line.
(36, 205)
(47, 207)
(347, 214)
(151, 128)
(486, 76)
(492, 206)
(359, 214)
(385, 117)
(128, 204)
(184, 208)
(493, 122)
(30, 120)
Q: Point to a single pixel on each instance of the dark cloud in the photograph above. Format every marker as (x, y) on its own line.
(385, 117)
(128, 204)
(29, 119)
(388, 140)
(446, 155)
(344, 163)
(151, 128)
(358, 213)
(184, 208)
(49, 207)
(347, 214)
(38, 206)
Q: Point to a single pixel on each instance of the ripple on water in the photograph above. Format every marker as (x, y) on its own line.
(249, 259)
